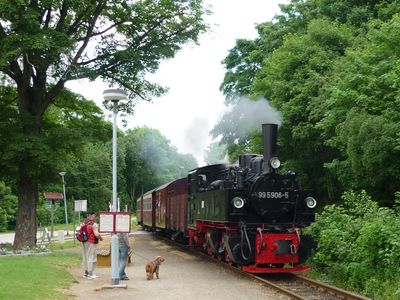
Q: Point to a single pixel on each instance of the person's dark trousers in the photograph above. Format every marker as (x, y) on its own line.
(123, 254)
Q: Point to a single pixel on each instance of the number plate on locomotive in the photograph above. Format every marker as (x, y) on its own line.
(271, 195)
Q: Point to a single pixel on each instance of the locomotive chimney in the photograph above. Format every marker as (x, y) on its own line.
(270, 132)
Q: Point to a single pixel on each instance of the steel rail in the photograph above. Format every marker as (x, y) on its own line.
(338, 291)
(316, 286)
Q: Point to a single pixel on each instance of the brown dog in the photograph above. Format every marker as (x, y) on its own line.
(154, 267)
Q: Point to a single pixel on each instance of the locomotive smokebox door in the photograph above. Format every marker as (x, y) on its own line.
(271, 199)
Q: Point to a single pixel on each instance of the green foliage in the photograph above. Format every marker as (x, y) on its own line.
(370, 142)
(358, 245)
(67, 125)
(70, 41)
(151, 161)
(44, 216)
(89, 175)
(242, 68)
(363, 106)
(291, 78)
(3, 220)
(44, 44)
(240, 128)
(331, 68)
(8, 208)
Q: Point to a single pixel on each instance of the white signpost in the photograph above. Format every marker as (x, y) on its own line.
(80, 205)
(52, 203)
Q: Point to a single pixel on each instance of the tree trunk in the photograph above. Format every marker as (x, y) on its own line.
(25, 230)
(27, 185)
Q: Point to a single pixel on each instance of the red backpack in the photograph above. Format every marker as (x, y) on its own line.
(81, 232)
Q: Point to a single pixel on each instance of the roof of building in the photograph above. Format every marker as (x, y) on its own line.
(53, 196)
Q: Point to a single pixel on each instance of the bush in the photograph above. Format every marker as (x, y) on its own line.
(3, 220)
(44, 215)
(8, 206)
(358, 246)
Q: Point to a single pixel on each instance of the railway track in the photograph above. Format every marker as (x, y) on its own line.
(292, 285)
(303, 288)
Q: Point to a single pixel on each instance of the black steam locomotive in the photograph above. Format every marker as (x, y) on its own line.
(248, 215)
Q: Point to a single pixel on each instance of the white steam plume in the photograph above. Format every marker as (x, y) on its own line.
(247, 116)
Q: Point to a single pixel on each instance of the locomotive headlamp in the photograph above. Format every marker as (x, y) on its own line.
(238, 202)
(311, 202)
(274, 162)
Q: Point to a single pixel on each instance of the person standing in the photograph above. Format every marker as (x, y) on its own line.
(90, 246)
(124, 247)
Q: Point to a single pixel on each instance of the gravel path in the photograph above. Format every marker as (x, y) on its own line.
(182, 276)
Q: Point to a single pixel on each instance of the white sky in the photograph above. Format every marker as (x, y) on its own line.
(194, 104)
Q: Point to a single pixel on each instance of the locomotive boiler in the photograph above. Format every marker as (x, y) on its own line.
(248, 214)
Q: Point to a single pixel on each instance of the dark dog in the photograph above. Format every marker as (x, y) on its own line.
(154, 267)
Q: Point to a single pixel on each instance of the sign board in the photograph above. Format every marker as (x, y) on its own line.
(123, 223)
(80, 205)
(114, 222)
(106, 222)
(52, 205)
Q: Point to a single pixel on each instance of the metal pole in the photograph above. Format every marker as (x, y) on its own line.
(65, 202)
(52, 210)
(114, 157)
(114, 95)
(73, 228)
(114, 238)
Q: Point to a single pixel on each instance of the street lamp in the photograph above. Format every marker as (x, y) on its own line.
(114, 95)
(62, 174)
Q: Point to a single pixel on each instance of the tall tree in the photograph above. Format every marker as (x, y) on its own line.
(363, 105)
(67, 126)
(44, 43)
(151, 160)
(291, 64)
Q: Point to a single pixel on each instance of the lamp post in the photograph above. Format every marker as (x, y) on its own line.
(114, 95)
(62, 174)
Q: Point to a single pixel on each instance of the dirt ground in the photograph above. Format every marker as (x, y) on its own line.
(182, 276)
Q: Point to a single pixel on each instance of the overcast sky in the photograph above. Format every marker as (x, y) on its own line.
(194, 103)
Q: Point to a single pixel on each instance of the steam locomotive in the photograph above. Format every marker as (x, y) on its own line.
(248, 215)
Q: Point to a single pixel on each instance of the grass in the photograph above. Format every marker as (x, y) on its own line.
(37, 277)
(133, 222)
(65, 245)
(41, 277)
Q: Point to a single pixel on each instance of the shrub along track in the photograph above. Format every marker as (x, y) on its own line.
(292, 285)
